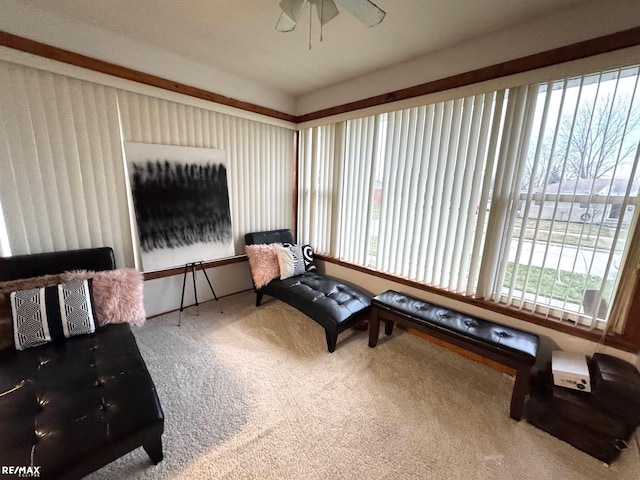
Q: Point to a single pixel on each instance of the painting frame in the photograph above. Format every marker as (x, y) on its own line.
(181, 204)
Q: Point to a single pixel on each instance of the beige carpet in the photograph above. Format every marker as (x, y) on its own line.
(253, 393)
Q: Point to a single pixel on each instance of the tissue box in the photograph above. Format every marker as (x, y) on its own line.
(570, 370)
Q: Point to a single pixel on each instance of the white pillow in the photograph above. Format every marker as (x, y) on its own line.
(291, 261)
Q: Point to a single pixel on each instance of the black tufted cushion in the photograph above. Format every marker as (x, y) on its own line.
(64, 403)
(516, 343)
(328, 300)
(509, 346)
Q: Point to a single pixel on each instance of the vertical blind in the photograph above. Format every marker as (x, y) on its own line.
(525, 196)
(63, 183)
(62, 175)
(402, 193)
(587, 131)
(259, 156)
(316, 204)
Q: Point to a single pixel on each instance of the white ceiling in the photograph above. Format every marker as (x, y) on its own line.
(238, 36)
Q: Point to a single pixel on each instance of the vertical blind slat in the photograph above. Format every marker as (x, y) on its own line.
(65, 143)
(452, 252)
(435, 246)
(435, 115)
(467, 205)
(426, 114)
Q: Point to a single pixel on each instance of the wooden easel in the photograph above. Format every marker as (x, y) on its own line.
(193, 266)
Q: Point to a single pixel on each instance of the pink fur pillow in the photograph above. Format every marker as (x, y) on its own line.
(263, 260)
(117, 295)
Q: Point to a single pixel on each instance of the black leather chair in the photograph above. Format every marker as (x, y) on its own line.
(333, 303)
(70, 407)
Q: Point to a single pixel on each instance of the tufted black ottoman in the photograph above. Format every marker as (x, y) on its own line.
(507, 345)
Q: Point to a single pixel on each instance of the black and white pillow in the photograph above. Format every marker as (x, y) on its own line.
(307, 256)
(42, 315)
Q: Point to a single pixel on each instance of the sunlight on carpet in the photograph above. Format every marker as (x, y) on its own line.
(253, 393)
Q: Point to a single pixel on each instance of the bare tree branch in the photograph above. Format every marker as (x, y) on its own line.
(599, 141)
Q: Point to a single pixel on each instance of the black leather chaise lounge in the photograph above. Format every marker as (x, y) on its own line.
(69, 407)
(333, 303)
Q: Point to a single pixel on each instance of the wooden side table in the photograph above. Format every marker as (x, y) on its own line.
(599, 423)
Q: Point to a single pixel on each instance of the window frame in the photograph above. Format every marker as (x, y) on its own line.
(629, 340)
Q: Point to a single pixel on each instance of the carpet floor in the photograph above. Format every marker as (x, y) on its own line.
(253, 393)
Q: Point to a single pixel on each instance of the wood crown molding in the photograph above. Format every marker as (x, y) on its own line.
(587, 48)
(43, 50)
(576, 51)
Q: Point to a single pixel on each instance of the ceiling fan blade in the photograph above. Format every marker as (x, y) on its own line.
(327, 11)
(292, 8)
(285, 24)
(364, 10)
(291, 11)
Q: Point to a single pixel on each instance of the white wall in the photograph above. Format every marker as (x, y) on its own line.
(163, 294)
(585, 21)
(93, 41)
(549, 339)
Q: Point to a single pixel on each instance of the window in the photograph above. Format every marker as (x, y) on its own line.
(514, 196)
(565, 254)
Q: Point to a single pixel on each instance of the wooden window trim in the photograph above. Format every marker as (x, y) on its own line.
(575, 51)
(180, 270)
(629, 341)
(43, 50)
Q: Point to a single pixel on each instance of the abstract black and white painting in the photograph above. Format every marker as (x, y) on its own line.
(181, 202)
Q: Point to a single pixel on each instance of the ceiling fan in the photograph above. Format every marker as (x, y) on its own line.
(364, 10)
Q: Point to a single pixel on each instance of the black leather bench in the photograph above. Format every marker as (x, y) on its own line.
(509, 346)
(333, 303)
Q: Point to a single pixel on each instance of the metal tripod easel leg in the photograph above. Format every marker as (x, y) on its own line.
(193, 266)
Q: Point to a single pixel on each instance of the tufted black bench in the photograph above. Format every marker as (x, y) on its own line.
(333, 303)
(507, 345)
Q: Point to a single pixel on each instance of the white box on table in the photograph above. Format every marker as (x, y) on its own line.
(570, 370)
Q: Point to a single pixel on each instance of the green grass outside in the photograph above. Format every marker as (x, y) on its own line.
(559, 285)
